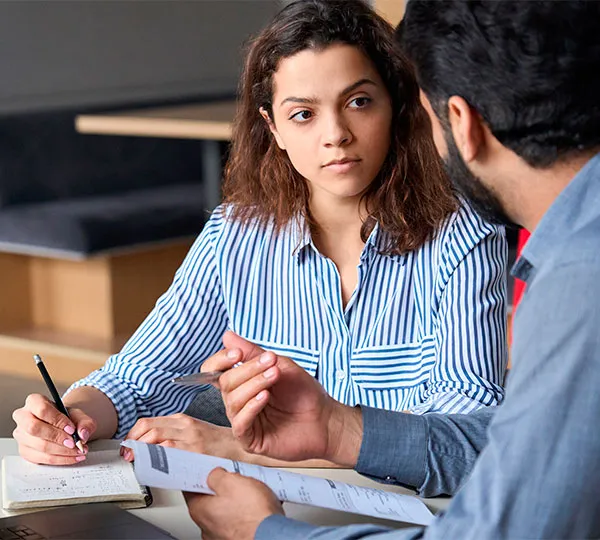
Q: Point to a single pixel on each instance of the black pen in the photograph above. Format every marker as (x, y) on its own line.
(57, 401)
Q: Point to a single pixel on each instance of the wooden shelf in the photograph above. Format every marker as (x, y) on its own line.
(211, 121)
(76, 313)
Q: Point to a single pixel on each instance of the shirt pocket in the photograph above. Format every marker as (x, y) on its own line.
(305, 358)
(397, 366)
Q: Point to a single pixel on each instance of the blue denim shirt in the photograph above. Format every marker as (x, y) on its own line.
(531, 467)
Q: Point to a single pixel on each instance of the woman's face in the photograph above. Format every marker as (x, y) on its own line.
(332, 115)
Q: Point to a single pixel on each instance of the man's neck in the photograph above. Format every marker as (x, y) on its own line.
(532, 191)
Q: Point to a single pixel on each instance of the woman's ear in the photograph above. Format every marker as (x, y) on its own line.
(272, 127)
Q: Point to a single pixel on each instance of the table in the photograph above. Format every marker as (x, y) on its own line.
(208, 122)
(168, 511)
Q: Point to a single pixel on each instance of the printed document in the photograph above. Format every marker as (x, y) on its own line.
(171, 468)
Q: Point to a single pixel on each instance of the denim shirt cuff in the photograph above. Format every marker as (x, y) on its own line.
(278, 526)
(394, 447)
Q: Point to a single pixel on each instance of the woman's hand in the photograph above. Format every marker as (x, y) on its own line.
(44, 434)
(186, 433)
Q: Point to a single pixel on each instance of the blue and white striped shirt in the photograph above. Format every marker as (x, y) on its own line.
(423, 332)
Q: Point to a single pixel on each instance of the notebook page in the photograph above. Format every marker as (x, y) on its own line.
(171, 468)
(102, 474)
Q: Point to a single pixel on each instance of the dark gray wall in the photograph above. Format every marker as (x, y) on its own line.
(101, 52)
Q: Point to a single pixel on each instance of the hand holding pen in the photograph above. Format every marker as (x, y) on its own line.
(56, 397)
(45, 434)
(204, 377)
(236, 351)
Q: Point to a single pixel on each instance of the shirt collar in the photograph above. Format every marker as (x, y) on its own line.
(299, 236)
(576, 204)
(301, 239)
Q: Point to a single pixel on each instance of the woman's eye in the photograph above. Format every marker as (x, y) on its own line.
(301, 116)
(360, 102)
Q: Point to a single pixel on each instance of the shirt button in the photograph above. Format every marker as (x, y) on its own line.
(340, 374)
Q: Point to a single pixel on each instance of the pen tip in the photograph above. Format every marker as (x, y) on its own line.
(79, 445)
(37, 358)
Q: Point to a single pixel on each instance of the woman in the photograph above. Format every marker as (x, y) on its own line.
(339, 245)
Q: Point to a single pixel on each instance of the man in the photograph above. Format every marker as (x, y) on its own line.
(513, 93)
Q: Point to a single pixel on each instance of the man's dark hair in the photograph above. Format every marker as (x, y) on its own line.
(531, 69)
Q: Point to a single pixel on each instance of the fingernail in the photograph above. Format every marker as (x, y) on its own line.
(233, 353)
(127, 455)
(79, 458)
(69, 443)
(270, 372)
(69, 429)
(84, 435)
(261, 396)
(265, 358)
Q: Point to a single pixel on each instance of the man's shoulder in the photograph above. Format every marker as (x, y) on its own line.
(577, 251)
(568, 280)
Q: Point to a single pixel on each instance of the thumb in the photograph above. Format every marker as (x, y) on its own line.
(216, 478)
(232, 341)
(86, 425)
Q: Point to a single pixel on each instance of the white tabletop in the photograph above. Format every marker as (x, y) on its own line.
(169, 512)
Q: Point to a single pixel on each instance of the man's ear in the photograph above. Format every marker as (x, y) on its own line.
(467, 128)
(272, 127)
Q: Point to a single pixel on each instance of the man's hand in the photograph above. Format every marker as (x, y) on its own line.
(237, 508)
(45, 435)
(278, 410)
(186, 433)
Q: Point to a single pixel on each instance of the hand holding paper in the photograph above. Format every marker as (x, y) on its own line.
(236, 510)
(170, 468)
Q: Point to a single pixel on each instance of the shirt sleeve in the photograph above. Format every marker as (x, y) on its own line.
(433, 454)
(281, 527)
(470, 329)
(183, 330)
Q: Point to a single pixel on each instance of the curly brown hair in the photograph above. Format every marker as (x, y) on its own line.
(410, 197)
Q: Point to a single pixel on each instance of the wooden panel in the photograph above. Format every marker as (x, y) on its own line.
(15, 297)
(200, 121)
(391, 10)
(138, 279)
(72, 296)
(64, 365)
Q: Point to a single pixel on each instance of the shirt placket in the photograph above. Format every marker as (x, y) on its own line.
(327, 277)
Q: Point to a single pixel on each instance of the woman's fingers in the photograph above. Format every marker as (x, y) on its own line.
(145, 425)
(65, 447)
(42, 436)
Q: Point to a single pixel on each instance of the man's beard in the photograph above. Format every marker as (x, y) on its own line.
(468, 186)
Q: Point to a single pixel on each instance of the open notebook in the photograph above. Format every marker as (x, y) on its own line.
(103, 476)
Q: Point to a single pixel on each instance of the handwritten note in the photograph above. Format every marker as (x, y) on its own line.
(103, 474)
(171, 468)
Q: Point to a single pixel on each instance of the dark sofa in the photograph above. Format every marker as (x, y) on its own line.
(71, 195)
